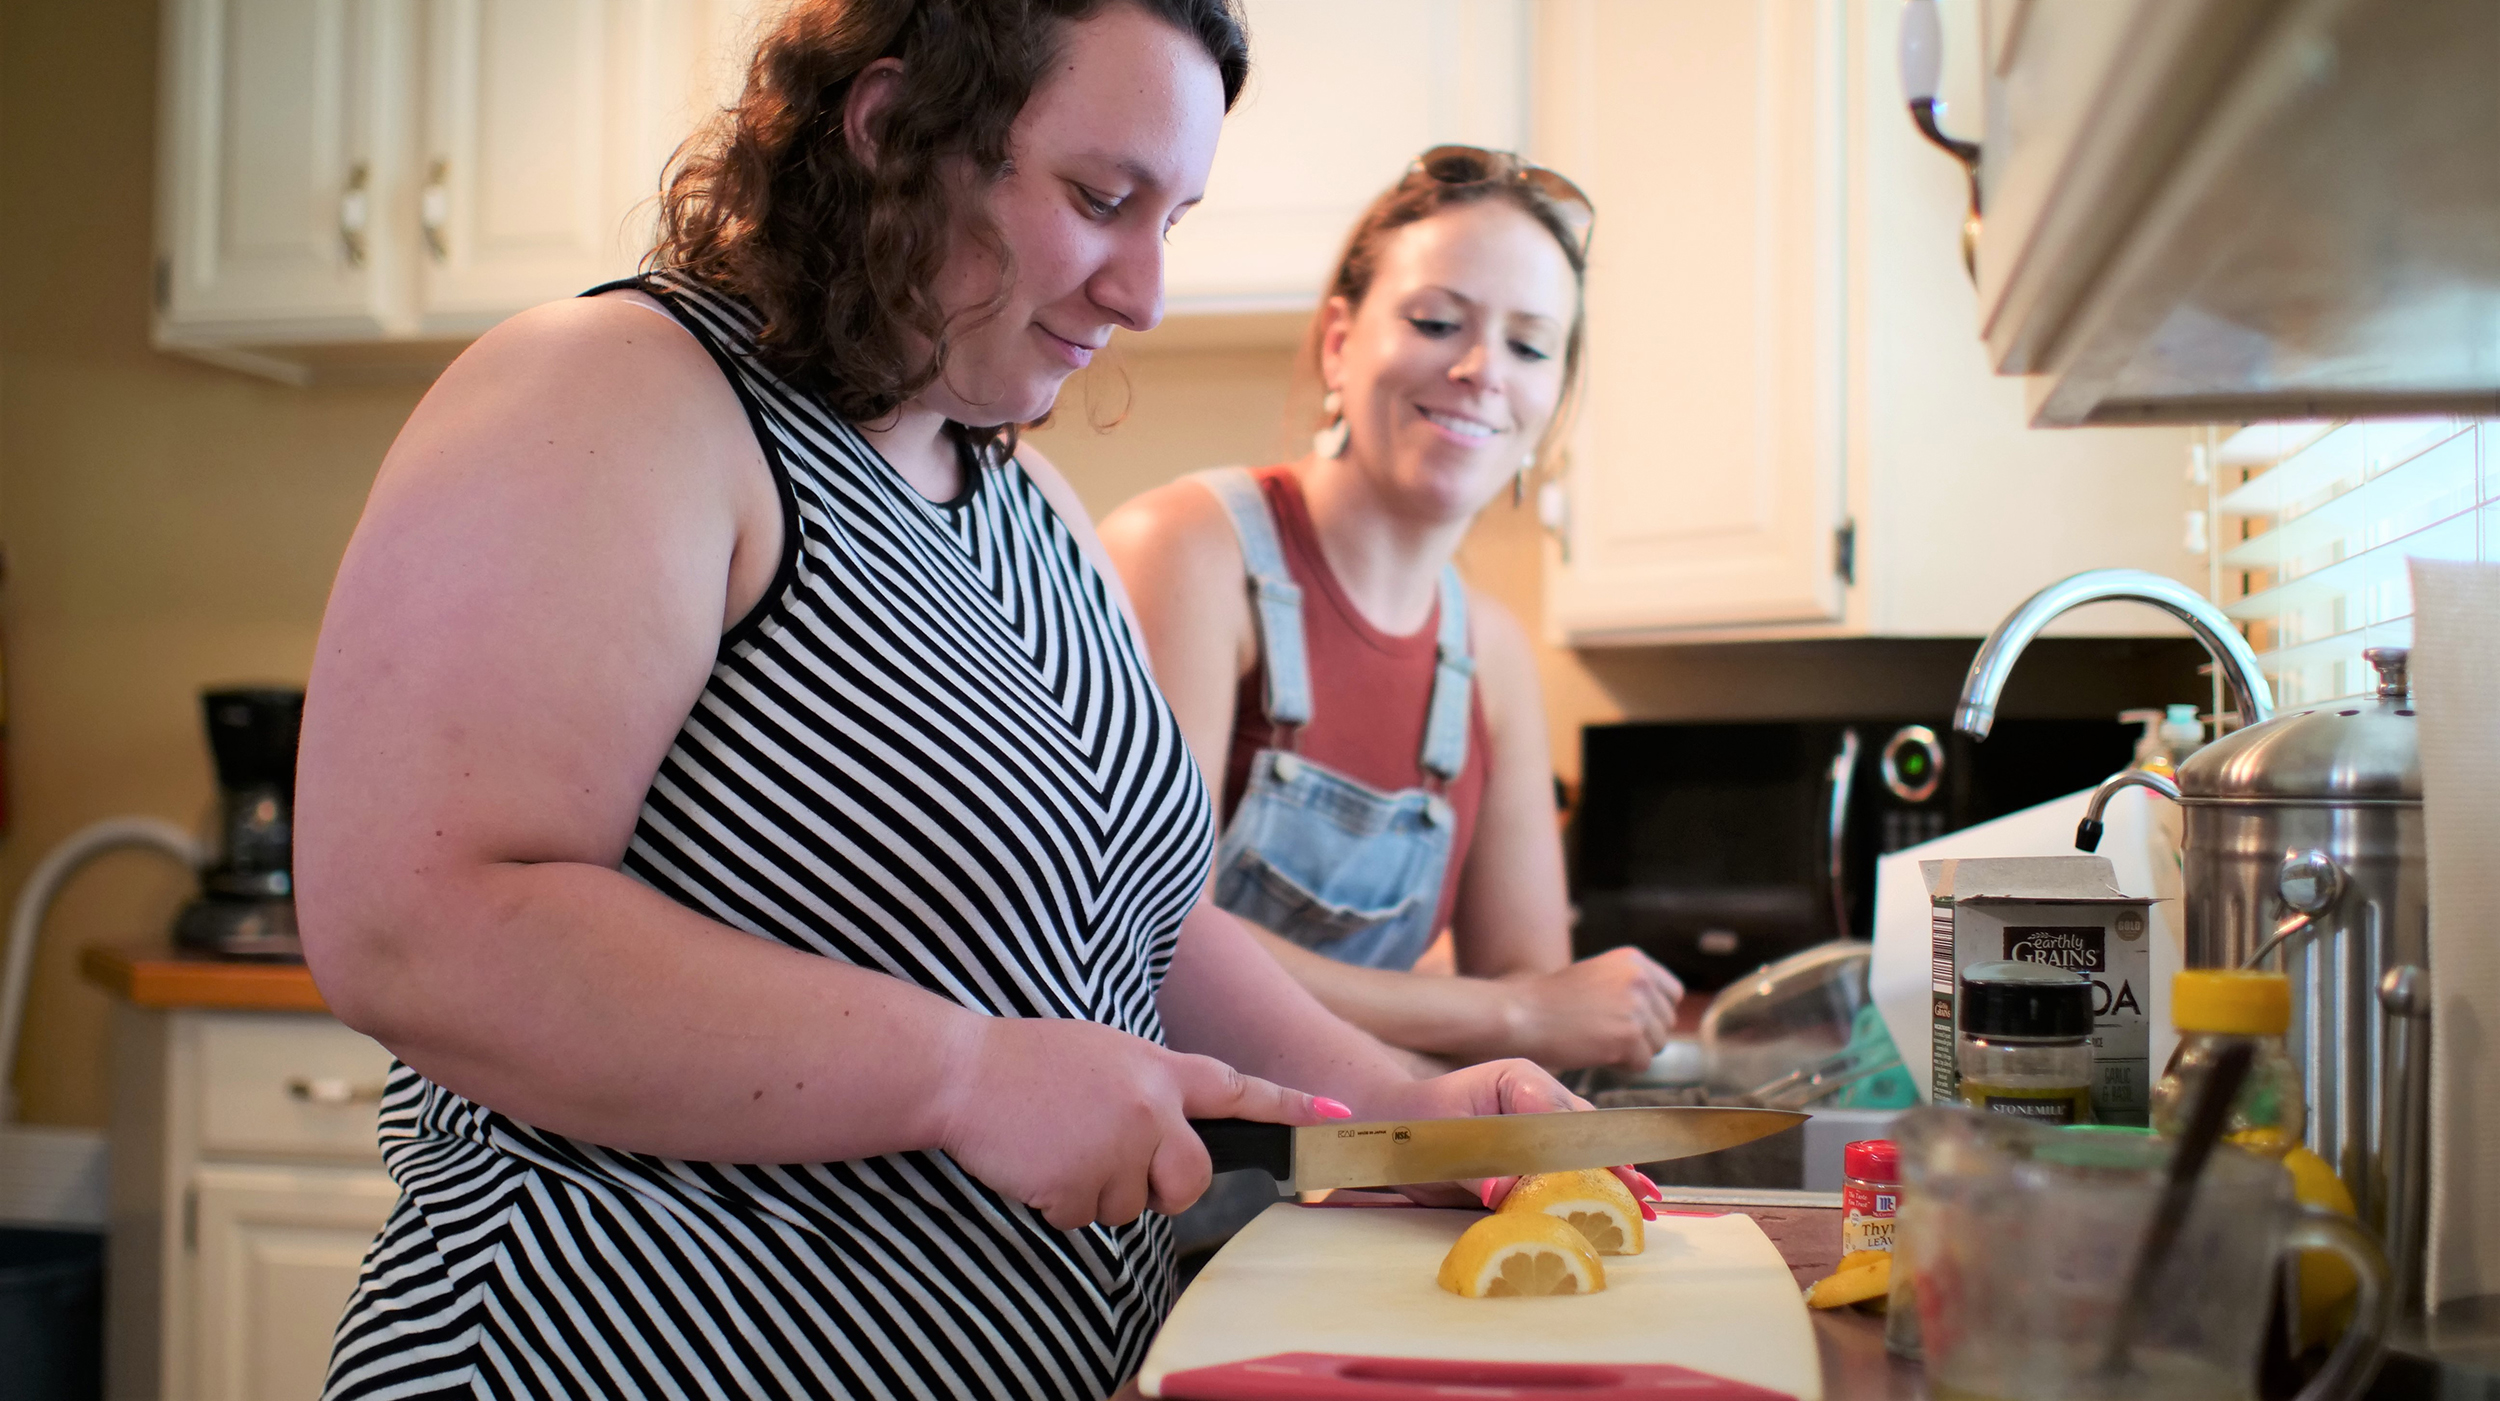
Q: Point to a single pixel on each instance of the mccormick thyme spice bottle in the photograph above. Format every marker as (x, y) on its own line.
(2025, 1044)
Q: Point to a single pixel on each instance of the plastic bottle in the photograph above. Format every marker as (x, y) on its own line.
(2212, 1007)
(2151, 753)
(2181, 733)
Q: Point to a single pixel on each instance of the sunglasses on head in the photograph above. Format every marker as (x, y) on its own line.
(1474, 165)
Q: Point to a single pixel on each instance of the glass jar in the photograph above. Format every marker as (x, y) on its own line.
(2213, 1007)
(2025, 1046)
(1870, 1192)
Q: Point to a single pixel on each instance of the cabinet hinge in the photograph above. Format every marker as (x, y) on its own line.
(164, 282)
(191, 1218)
(1845, 552)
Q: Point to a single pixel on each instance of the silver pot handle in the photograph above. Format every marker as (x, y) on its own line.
(2405, 995)
(2308, 884)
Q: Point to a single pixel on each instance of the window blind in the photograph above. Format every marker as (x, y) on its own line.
(2326, 514)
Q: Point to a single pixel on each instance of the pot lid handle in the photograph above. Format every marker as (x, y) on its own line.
(2390, 661)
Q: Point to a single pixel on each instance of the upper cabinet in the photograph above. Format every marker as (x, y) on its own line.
(275, 115)
(2217, 210)
(349, 183)
(352, 187)
(1707, 478)
(1341, 98)
(546, 125)
(1789, 427)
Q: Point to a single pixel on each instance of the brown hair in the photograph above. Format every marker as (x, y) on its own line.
(1418, 196)
(771, 205)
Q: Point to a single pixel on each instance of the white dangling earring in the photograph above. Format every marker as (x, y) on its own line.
(1330, 441)
(1519, 479)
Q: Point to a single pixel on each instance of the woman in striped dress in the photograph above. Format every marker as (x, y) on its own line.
(732, 784)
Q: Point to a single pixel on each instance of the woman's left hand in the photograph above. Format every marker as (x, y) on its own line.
(1493, 1087)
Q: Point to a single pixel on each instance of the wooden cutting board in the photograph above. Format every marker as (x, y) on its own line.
(1710, 1293)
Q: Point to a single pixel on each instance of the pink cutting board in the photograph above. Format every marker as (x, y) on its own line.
(1709, 1293)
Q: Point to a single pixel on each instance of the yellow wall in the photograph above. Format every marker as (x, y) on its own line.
(168, 526)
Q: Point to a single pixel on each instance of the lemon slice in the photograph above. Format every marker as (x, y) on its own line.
(1853, 1283)
(1519, 1253)
(1592, 1199)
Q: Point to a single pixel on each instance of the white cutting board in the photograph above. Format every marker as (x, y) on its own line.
(1709, 1292)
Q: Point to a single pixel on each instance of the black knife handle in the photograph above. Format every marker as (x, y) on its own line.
(1247, 1143)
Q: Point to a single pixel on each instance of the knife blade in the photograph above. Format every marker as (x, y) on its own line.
(1491, 1145)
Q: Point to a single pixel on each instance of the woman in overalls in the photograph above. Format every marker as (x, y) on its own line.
(1373, 726)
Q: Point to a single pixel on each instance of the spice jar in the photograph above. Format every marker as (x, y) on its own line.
(1870, 1192)
(2025, 1044)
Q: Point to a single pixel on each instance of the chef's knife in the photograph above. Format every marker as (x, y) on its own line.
(1489, 1145)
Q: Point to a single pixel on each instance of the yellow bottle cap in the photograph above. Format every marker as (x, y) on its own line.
(2231, 1002)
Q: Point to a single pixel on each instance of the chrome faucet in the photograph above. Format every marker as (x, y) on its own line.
(1978, 711)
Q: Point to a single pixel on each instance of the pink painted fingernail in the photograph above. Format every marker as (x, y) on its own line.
(1648, 1212)
(1329, 1108)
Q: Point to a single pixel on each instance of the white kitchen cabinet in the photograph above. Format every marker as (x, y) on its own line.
(281, 145)
(1707, 462)
(547, 123)
(1341, 99)
(1790, 428)
(278, 1253)
(246, 1187)
(339, 178)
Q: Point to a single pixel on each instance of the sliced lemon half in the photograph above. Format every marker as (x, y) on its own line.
(1521, 1253)
(1593, 1199)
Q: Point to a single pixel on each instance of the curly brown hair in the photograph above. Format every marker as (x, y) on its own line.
(1418, 196)
(770, 203)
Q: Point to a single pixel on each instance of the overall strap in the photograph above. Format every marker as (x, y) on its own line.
(1274, 597)
(1453, 684)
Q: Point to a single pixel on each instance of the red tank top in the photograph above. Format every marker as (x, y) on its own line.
(1369, 691)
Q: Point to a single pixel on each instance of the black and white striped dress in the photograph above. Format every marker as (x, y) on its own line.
(934, 751)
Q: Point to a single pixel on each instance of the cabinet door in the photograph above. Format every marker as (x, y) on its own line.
(278, 1252)
(276, 169)
(1705, 484)
(546, 126)
(1341, 98)
(1965, 509)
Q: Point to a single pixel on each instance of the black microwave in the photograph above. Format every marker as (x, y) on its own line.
(1717, 848)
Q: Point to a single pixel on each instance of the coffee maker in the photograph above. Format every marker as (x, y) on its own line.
(246, 906)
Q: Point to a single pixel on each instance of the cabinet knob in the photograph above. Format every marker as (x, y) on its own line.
(332, 1089)
(355, 213)
(434, 210)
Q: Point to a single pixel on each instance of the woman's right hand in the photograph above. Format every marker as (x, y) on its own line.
(1085, 1123)
(1613, 1009)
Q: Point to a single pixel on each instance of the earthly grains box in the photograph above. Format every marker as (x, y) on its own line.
(2065, 911)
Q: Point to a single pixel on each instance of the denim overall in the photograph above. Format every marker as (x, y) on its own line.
(1337, 866)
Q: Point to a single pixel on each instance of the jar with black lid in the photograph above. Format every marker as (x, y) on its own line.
(2025, 1046)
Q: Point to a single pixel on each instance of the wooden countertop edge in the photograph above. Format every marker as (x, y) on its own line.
(158, 978)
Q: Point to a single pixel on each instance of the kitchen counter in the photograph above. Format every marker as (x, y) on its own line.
(1850, 1343)
(158, 975)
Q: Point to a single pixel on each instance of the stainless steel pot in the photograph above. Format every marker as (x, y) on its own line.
(2302, 841)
